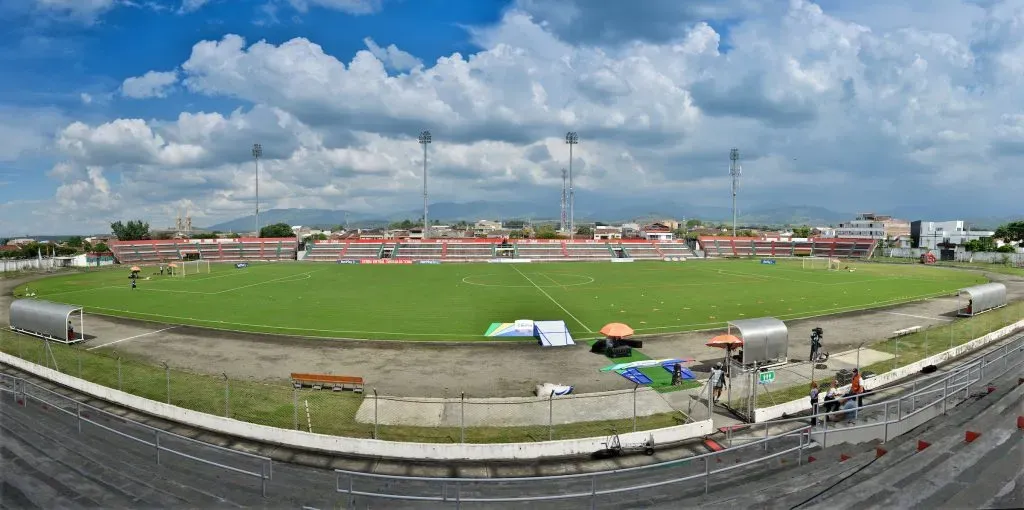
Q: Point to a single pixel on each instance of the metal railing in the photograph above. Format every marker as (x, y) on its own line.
(161, 441)
(933, 392)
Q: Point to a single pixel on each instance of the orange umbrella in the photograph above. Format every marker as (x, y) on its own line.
(136, 268)
(727, 341)
(617, 330)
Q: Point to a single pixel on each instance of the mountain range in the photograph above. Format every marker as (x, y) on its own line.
(472, 211)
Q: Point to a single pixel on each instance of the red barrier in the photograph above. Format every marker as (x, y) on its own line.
(1020, 422)
(879, 451)
(811, 459)
(921, 445)
(970, 436)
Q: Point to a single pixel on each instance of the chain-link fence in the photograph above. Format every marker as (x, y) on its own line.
(455, 419)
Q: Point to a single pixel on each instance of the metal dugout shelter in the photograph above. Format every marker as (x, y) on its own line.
(765, 339)
(47, 320)
(979, 299)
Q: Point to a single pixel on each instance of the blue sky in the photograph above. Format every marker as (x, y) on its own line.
(116, 109)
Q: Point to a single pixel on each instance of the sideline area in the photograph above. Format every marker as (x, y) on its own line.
(488, 420)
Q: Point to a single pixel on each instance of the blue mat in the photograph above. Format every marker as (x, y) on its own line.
(636, 376)
(687, 374)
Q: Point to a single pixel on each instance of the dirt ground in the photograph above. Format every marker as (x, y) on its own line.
(480, 369)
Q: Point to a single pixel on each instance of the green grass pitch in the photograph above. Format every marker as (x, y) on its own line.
(459, 301)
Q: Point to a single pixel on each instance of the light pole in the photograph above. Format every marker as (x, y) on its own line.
(257, 151)
(425, 140)
(572, 138)
(735, 171)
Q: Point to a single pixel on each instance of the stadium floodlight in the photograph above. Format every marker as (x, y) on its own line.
(424, 141)
(572, 138)
(735, 170)
(257, 152)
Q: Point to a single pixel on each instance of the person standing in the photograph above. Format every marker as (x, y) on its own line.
(717, 381)
(857, 387)
(814, 403)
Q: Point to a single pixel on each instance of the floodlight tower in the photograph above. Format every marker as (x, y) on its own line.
(424, 141)
(565, 200)
(734, 170)
(257, 152)
(572, 138)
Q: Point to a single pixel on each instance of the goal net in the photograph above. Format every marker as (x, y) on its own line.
(191, 267)
(821, 263)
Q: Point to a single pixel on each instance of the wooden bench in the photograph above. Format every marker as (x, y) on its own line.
(334, 382)
(905, 331)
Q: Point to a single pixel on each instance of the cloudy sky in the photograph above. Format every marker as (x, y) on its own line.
(114, 109)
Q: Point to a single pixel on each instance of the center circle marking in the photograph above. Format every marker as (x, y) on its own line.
(541, 279)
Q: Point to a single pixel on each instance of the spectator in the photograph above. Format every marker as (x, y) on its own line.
(814, 403)
(857, 388)
(850, 406)
(831, 402)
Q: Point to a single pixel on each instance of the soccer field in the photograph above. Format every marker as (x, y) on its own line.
(460, 301)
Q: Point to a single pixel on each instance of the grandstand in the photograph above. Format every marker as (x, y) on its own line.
(757, 247)
(214, 250)
(468, 250)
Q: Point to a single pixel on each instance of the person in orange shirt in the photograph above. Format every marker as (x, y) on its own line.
(857, 388)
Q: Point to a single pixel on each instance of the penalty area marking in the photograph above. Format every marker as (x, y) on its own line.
(589, 280)
(131, 338)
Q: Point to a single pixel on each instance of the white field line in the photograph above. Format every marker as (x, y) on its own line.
(552, 299)
(307, 275)
(552, 280)
(131, 338)
(920, 316)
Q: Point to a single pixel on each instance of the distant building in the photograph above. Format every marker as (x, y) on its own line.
(873, 226)
(657, 232)
(606, 233)
(20, 241)
(934, 235)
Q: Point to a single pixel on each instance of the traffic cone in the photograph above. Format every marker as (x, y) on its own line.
(921, 445)
(879, 451)
(970, 436)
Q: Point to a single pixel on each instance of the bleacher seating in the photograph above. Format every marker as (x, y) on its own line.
(642, 251)
(540, 251)
(324, 251)
(817, 247)
(356, 251)
(420, 251)
(469, 251)
(674, 250)
(221, 250)
(588, 251)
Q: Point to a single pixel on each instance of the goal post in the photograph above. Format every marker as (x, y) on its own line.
(192, 267)
(821, 263)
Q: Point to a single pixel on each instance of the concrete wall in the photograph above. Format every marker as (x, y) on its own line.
(351, 445)
(804, 403)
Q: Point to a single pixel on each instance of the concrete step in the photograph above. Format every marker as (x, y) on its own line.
(87, 480)
(975, 487)
(133, 460)
(877, 482)
(906, 445)
(759, 492)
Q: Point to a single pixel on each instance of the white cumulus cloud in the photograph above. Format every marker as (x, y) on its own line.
(151, 84)
(852, 109)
